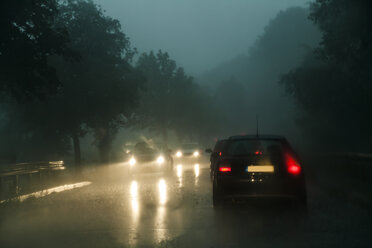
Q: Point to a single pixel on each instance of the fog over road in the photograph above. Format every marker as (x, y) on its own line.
(90, 89)
(157, 210)
(198, 34)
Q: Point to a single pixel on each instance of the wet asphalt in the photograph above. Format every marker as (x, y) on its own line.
(175, 210)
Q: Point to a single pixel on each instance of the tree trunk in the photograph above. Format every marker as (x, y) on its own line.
(104, 154)
(104, 146)
(77, 152)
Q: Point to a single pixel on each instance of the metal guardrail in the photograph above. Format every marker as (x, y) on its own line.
(18, 178)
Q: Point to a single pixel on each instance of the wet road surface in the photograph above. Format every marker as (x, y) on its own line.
(175, 210)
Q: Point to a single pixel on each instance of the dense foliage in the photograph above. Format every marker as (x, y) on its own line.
(28, 37)
(333, 86)
(97, 91)
(171, 100)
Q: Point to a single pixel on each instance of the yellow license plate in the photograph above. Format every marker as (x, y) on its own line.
(260, 168)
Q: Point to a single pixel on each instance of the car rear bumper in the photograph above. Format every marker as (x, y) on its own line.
(243, 188)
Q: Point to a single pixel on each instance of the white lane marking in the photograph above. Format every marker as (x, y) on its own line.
(46, 192)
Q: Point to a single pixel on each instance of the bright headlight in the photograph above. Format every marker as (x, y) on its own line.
(179, 154)
(160, 160)
(196, 154)
(132, 161)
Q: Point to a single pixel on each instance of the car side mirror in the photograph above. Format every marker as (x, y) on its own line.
(208, 150)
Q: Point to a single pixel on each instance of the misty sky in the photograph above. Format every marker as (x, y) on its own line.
(198, 34)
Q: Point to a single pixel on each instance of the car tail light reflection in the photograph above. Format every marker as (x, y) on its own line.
(224, 169)
(293, 166)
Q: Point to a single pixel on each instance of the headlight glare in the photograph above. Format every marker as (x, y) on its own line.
(132, 161)
(196, 154)
(160, 160)
(178, 154)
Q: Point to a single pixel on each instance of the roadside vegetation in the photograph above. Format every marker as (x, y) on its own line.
(68, 71)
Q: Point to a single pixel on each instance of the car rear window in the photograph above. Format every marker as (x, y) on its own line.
(252, 147)
(219, 146)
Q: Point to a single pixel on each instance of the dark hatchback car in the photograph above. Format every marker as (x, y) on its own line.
(256, 166)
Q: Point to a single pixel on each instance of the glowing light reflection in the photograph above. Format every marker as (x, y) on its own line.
(196, 170)
(179, 174)
(132, 238)
(134, 197)
(162, 191)
(160, 230)
(49, 191)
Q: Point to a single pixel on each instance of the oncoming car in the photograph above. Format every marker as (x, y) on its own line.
(189, 151)
(257, 166)
(150, 157)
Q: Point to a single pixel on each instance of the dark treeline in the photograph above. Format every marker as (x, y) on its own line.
(333, 85)
(75, 76)
(321, 57)
(68, 71)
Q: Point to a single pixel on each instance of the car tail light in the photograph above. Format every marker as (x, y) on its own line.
(224, 168)
(293, 167)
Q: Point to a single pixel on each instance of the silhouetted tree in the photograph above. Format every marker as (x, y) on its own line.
(155, 101)
(98, 91)
(102, 88)
(28, 37)
(333, 85)
(171, 100)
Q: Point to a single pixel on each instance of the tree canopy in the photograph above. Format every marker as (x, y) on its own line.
(28, 36)
(97, 91)
(171, 100)
(333, 85)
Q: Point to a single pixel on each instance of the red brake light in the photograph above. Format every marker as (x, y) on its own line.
(294, 169)
(224, 169)
(293, 166)
(220, 153)
(258, 152)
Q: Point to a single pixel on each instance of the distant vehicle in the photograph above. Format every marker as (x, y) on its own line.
(256, 166)
(150, 157)
(189, 151)
(128, 150)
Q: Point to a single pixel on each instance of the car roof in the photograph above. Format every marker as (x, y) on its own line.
(264, 136)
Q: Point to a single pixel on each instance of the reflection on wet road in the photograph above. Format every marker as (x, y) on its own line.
(174, 210)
